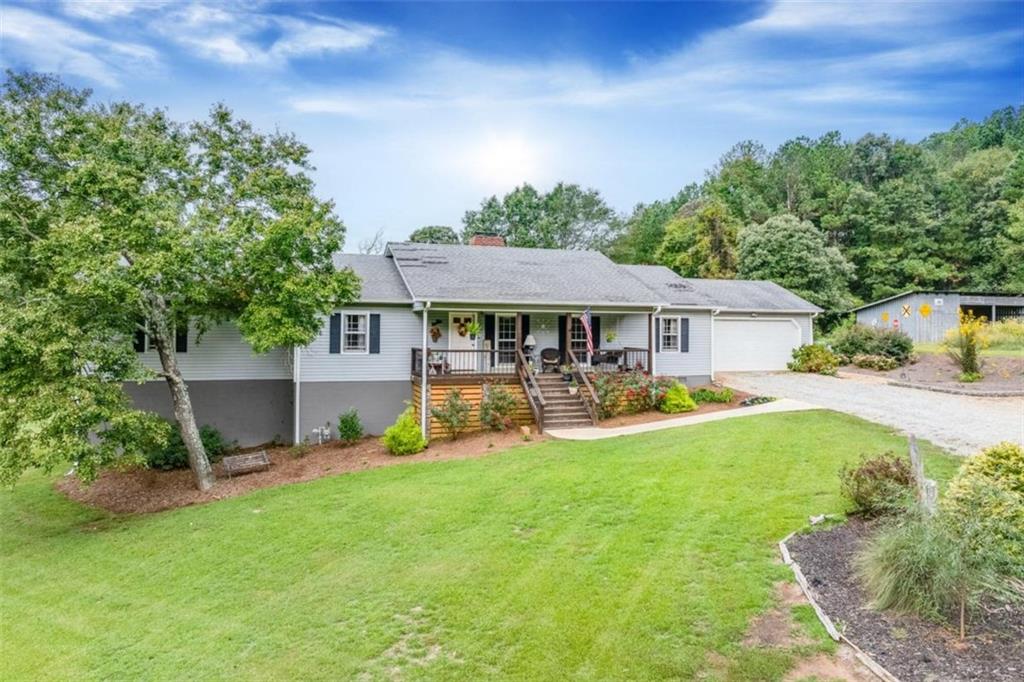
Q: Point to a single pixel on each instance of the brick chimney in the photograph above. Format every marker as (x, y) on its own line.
(487, 240)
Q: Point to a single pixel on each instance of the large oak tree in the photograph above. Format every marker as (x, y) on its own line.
(117, 221)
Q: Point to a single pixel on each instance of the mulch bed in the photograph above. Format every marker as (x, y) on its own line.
(144, 490)
(908, 647)
(655, 416)
(938, 370)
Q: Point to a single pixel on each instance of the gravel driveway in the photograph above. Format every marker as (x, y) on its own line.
(962, 424)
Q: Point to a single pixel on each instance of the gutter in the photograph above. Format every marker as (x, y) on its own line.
(424, 424)
(653, 350)
(297, 374)
(714, 314)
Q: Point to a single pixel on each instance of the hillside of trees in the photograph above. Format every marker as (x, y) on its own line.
(837, 221)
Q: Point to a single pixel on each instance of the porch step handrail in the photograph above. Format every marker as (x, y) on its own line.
(594, 400)
(534, 396)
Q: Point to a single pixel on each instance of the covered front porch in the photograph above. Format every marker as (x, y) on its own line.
(466, 343)
(466, 350)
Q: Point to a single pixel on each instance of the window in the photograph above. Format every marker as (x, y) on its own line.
(354, 340)
(670, 334)
(505, 342)
(578, 339)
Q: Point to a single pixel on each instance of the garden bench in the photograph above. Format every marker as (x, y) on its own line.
(244, 464)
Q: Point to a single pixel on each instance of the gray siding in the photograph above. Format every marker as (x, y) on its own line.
(249, 412)
(378, 402)
(400, 331)
(222, 354)
(921, 328)
(697, 361)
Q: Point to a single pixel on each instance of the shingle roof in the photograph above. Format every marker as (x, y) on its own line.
(381, 281)
(444, 272)
(668, 287)
(750, 295)
(474, 274)
(734, 294)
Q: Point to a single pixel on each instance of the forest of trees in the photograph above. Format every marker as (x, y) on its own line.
(837, 221)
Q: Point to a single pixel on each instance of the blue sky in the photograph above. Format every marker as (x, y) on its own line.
(417, 111)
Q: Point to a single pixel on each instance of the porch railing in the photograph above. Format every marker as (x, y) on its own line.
(531, 388)
(616, 359)
(590, 399)
(447, 362)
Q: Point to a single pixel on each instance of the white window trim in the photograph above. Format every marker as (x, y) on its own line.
(344, 333)
(678, 334)
(498, 338)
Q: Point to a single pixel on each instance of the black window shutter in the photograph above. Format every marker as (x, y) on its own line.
(561, 338)
(657, 335)
(334, 345)
(595, 329)
(375, 332)
(139, 342)
(526, 327)
(684, 335)
(181, 338)
(489, 329)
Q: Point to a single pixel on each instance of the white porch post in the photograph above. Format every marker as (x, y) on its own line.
(297, 376)
(424, 424)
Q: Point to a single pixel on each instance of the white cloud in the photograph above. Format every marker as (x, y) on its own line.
(109, 10)
(849, 53)
(48, 44)
(234, 34)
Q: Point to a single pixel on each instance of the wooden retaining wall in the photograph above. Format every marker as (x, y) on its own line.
(472, 391)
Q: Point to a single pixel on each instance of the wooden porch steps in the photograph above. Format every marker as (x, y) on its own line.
(562, 410)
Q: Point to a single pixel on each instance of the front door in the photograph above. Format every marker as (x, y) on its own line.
(459, 339)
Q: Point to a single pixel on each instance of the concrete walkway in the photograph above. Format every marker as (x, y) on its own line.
(597, 433)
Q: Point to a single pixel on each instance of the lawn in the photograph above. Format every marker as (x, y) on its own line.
(632, 558)
(939, 348)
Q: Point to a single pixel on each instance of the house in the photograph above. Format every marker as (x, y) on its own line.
(926, 316)
(521, 303)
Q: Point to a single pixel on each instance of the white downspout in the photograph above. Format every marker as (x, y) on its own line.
(813, 315)
(714, 313)
(654, 349)
(424, 424)
(297, 371)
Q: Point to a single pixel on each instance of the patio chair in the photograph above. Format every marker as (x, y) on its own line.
(549, 357)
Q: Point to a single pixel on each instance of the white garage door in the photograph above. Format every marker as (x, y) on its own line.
(754, 344)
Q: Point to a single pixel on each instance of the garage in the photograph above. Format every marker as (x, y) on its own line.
(751, 344)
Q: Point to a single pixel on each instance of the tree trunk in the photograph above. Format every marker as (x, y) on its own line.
(162, 335)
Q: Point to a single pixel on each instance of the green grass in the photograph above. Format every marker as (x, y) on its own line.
(938, 348)
(630, 558)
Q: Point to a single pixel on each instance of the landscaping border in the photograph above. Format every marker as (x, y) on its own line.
(1005, 393)
(871, 664)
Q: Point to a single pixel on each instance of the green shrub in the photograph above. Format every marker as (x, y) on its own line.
(300, 450)
(174, 455)
(882, 363)
(404, 437)
(930, 567)
(990, 486)
(860, 339)
(677, 399)
(964, 344)
(453, 413)
(710, 395)
(970, 377)
(629, 392)
(1006, 334)
(350, 429)
(498, 407)
(878, 485)
(815, 359)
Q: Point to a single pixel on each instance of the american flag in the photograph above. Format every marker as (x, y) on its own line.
(585, 320)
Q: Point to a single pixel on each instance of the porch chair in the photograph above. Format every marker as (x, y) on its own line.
(549, 357)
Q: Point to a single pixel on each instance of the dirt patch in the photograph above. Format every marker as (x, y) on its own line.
(145, 490)
(910, 648)
(776, 627)
(655, 416)
(938, 370)
(843, 665)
